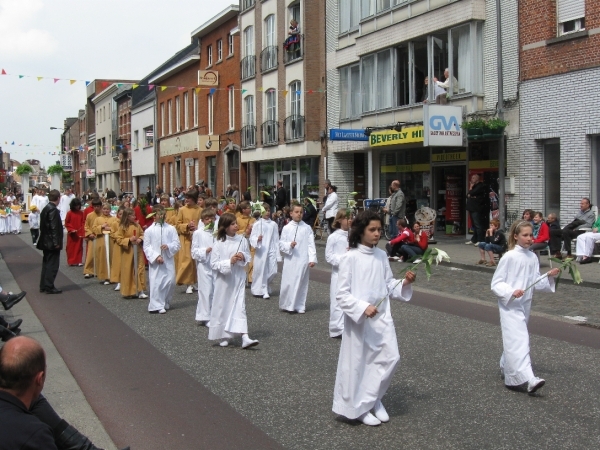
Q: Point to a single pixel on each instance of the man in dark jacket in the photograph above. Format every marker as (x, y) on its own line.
(50, 242)
(477, 199)
(281, 199)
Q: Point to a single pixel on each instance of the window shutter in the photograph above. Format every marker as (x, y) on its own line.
(570, 10)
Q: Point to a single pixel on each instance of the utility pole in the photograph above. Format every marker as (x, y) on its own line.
(500, 112)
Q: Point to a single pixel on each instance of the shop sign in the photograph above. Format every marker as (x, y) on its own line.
(449, 157)
(340, 134)
(90, 173)
(183, 143)
(442, 126)
(208, 78)
(392, 137)
(405, 168)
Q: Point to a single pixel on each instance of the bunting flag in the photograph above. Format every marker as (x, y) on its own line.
(162, 88)
(150, 87)
(72, 81)
(181, 88)
(244, 91)
(40, 78)
(135, 86)
(56, 79)
(3, 72)
(87, 83)
(285, 93)
(198, 90)
(212, 90)
(21, 76)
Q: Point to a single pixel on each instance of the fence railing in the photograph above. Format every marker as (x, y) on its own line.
(268, 58)
(270, 132)
(294, 128)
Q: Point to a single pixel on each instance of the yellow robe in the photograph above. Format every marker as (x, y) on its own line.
(88, 268)
(127, 278)
(243, 223)
(186, 272)
(101, 264)
(115, 262)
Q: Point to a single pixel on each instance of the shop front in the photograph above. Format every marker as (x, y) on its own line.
(300, 176)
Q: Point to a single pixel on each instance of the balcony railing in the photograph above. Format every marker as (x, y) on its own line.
(247, 4)
(270, 132)
(249, 136)
(294, 128)
(293, 52)
(248, 67)
(268, 58)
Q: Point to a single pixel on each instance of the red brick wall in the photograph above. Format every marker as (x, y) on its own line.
(538, 23)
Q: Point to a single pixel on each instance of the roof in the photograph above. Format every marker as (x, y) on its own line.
(227, 14)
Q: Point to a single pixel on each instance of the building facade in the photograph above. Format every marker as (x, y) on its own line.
(107, 158)
(123, 138)
(283, 101)
(560, 120)
(143, 151)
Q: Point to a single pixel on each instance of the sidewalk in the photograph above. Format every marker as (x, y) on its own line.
(466, 256)
(61, 389)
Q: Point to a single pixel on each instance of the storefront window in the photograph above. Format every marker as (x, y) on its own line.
(309, 177)
(266, 176)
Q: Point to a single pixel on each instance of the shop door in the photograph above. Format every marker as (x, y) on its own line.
(286, 177)
(449, 199)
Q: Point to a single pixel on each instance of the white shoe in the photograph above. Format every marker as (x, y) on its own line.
(162, 311)
(190, 289)
(118, 287)
(301, 311)
(417, 261)
(369, 419)
(266, 296)
(87, 275)
(106, 283)
(224, 343)
(380, 412)
(534, 384)
(142, 295)
(468, 243)
(247, 342)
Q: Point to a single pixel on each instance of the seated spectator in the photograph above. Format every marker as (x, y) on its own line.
(310, 213)
(418, 246)
(292, 43)
(586, 241)
(541, 233)
(528, 215)
(495, 242)
(405, 236)
(583, 219)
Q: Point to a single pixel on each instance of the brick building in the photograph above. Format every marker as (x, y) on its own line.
(123, 138)
(560, 119)
(283, 101)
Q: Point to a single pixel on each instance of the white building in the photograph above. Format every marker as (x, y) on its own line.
(143, 150)
(107, 158)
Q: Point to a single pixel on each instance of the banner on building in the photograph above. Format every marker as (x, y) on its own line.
(442, 126)
(208, 78)
(340, 134)
(391, 137)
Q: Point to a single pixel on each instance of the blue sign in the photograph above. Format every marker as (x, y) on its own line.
(341, 134)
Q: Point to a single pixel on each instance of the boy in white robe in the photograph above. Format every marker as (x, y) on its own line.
(265, 239)
(297, 245)
(161, 244)
(203, 241)
(518, 269)
(369, 351)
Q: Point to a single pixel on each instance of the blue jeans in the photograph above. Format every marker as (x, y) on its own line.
(411, 250)
(490, 247)
(478, 231)
(393, 227)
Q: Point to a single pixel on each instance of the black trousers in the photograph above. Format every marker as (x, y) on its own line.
(566, 236)
(50, 265)
(35, 234)
(478, 221)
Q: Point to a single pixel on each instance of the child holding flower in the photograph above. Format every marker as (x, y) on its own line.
(265, 239)
(203, 242)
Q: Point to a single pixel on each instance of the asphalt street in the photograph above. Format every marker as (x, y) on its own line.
(447, 392)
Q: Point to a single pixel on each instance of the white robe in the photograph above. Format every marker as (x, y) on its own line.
(369, 351)
(228, 313)
(585, 243)
(16, 225)
(337, 246)
(201, 241)
(65, 205)
(40, 201)
(161, 276)
(266, 255)
(518, 269)
(295, 276)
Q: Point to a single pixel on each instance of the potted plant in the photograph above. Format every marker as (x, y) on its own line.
(23, 171)
(55, 171)
(474, 128)
(494, 127)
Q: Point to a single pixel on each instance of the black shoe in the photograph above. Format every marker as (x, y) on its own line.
(10, 300)
(14, 325)
(53, 291)
(6, 334)
(586, 261)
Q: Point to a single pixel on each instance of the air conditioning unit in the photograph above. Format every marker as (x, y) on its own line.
(509, 185)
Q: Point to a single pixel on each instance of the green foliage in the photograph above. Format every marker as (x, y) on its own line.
(493, 123)
(55, 169)
(473, 123)
(23, 169)
(496, 124)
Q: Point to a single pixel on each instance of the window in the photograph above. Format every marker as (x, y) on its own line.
(195, 108)
(230, 44)
(270, 128)
(571, 16)
(249, 129)
(219, 50)
(249, 110)
(177, 114)
(270, 31)
(295, 11)
(136, 139)
(271, 103)
(170, 115)
(249, 41)
(551, 177)
(295, 91)
(245, 5)
(162, 119)
(231, 104)
(186, 111)
(210, 113)
(350, 91)
(376, 72)
(149, 136)
(211, 164)
(209, 55)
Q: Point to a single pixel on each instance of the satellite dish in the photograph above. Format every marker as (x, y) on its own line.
(208, 144)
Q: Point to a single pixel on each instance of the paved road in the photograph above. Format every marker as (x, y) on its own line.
(447, 392)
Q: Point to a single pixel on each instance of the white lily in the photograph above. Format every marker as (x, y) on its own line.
(441, 256)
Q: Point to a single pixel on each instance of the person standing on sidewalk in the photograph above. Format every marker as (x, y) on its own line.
(50, 242)
(397, 207)
(477, 198)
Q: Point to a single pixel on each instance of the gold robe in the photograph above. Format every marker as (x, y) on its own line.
(101, 263)
(186, 270)
(115, 262)
(88, 268)
(127, 278)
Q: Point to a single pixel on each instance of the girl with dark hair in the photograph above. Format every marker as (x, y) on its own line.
(369, 351)
(129, 236)
(228, 257)
(74, 223)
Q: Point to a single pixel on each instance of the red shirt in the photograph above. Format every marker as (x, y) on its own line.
(405, 237)
(422, 240)
(543, 234)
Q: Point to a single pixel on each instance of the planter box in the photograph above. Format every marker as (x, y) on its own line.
(489, 133)
(474, 133)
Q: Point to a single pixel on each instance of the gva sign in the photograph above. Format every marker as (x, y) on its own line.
(442, 126)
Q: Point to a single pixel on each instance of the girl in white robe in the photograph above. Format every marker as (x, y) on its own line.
(369, 351)
(297, 244)
(16, 225)
(228, 258)
(3, 219)
(265, 239)
(161, 244)
(337, 246)
(518, 269)
(203, 241)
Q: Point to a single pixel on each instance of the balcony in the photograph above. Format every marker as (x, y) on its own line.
(248, 136)
(268, 59)
(293, 52)
(294, 128)
(248, 67)
(270, 132)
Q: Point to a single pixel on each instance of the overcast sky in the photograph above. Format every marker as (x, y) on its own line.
(82, 40)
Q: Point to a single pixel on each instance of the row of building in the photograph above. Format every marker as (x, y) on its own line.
(244, 105)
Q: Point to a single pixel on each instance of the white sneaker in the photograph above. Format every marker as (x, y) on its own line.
(87, 275)
(468, 243)
(417, 261)
(380, 412)
(369, 419)
(162, 311)
(118, 287)
(224, 343)
(106, 283)
(266, 296)
(142, 295)
(190, 289)
(247, 342)
(301, 311)
(534, 384)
